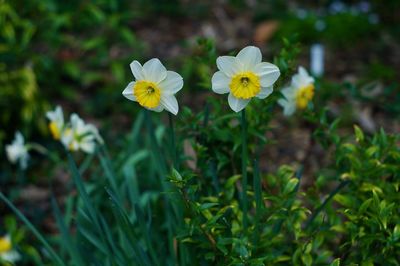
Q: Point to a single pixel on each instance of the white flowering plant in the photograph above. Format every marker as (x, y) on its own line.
(198, 191)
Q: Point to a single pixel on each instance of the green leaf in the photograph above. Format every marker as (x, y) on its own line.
(291, 185)
(68, 243)
(364, 206)
(396, 232)
(345, 200)
(307, 259)
(359, 134)
(336, 262)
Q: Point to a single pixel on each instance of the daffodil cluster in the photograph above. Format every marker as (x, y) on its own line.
(299, 93)
(7, 253)
(76, 134)
(244, 77)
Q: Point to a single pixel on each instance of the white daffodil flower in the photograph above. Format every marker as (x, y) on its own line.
(17, 151)
(7, 253)
(299, 93)
(244, 77)
(154, 87)
(56, 124)
(80, 136)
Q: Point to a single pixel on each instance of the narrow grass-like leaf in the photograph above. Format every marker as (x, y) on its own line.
(128, 226)
(95, 241)
(38, 235)
(66, 236)
(93, 215)
(339, 187)
(107, 167)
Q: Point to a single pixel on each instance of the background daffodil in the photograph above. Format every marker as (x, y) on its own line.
(17, 151)
(154, 87)
(7, 253)
(80, 136)
(244, 77)
(56, 124)
(299, 93)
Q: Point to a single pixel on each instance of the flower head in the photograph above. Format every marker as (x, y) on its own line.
(56, 124)
(154, 87)
(80, 136)
(6, 250)
(17, 151)
(244, 77)
(299, 93)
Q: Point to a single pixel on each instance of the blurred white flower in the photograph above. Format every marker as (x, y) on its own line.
(80, 136)
(299, 93)
(244, 77)
(7, 253)
(17, 151)
(56, 124)
(154, 87)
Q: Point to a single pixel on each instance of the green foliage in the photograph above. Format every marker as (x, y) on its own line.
(175, 195)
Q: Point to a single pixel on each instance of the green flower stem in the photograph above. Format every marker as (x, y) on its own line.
(174, 150)
(244, 168)
(258, 199)
(322, 206)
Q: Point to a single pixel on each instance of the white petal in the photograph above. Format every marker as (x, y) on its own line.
(302, 78)
(302, 71)
(170, 103)
(19, 138)
(88, 146)
(237, 104)
(268, 73)
(220, 82)
(154, 70)
(249, 57)
(289, 107)
(172, 83)
(265, 92)
(11, 256)
(229, 65)
(157, 109)
(289, 93)
(128, 91)
(137, 70)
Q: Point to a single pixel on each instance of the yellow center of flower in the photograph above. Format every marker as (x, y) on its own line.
(5, 245)
(245, 85)
(147, 93)
(55, 132)
(304, 95)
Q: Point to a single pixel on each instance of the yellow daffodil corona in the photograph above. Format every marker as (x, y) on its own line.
(5, 244)
(56, 122)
